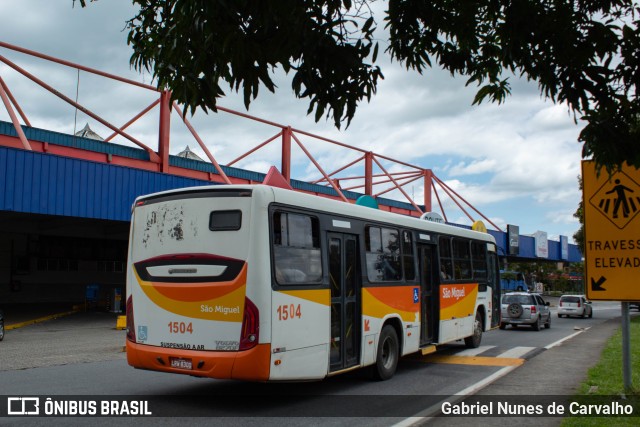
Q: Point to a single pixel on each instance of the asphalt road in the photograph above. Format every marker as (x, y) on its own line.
(82, 355)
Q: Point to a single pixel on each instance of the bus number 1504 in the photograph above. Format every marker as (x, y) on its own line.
(289, 311)
(180, 327)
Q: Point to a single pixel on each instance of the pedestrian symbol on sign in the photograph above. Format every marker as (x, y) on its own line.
(621, 200)
(618, 200)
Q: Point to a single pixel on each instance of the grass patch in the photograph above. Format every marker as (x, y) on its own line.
(606, 379)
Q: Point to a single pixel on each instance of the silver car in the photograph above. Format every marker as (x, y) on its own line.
(523, 308)
(574, 305)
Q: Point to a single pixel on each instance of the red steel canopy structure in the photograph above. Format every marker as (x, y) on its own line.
(368, 174)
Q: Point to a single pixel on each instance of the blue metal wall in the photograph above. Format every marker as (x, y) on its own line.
(55, 185)
(35, 134)
(528, 249)
(40, 183)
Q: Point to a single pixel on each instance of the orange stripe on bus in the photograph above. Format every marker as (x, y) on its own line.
(458, 301)
(320, 296)
(227, 308)
(378, 302)
(396, 297)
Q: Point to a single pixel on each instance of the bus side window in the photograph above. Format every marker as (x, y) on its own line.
(479, 260)
(479, 264)
(296, 248)
(461, 259)
(446, 262)
(407, 256)
(382, 246)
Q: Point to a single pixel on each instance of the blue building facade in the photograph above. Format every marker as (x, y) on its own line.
(40, 183)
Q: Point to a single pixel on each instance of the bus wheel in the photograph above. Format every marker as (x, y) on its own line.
(388, 354)
(474, 340)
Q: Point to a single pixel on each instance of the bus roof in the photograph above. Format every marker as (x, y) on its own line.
(308, 201)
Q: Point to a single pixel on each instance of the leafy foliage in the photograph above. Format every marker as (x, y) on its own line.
(584, 53)
(194, 46)
(578, 236)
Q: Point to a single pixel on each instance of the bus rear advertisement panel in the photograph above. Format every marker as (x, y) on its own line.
(260, 283)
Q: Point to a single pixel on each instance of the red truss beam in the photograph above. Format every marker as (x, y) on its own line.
(153, 157)
(158, 161)
(346, 178)
(133, 120)
(335, 187)
(254, 149)
(412, 177)
(14, 119)
(15, 103)
(76, 66)
(340, 170)
(202, 144)
(409, 178)
(440, 204)
(398, 186)
(449, 190)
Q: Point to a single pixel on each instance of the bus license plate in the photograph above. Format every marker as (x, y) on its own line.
(177, 362)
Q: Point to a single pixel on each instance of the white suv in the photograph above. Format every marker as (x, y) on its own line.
(574, 305)
(523, 308)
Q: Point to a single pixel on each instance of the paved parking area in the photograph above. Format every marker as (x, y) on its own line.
(74, 338)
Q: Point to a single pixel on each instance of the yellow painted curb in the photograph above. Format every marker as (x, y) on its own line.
(38, 320)
(474, 360)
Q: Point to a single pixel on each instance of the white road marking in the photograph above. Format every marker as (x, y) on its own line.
(475, 351)
(427, 414)
(553, 344)
(517, 352)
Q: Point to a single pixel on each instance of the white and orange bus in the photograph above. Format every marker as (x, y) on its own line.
(264, 284)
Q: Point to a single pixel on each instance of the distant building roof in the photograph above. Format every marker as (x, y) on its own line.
(188, 154)
(86, 132)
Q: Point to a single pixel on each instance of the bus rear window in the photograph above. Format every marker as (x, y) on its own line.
(225, 220)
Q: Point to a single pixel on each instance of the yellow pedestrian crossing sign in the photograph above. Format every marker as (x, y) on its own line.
(612, 233)
(618, 201)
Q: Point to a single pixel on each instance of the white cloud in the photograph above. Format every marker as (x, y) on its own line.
(551, 118)
(473, 167)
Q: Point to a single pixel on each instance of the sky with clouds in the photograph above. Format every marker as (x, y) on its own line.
(517, 162)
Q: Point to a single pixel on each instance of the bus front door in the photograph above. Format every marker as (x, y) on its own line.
(345, 286)
(427, 302)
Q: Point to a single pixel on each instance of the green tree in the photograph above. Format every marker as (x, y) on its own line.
(580, 52)
(578, 236)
